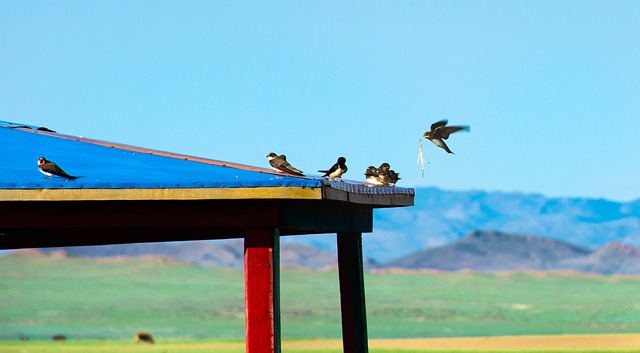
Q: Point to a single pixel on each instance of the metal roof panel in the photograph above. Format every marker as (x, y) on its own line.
(105, 166)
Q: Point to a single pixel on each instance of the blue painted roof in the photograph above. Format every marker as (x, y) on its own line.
(100, 164)
(112, 171)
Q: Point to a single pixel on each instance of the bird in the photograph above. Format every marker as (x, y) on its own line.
(372, 175)
(378, 176)
(387, 175)
(280, 163)
(393, 177)
(336, 170)
(49, 169)
(440, 132)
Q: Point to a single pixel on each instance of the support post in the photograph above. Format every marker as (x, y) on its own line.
(262, 290)
(352, 298)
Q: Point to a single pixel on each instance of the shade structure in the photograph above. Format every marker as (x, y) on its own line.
(128, 194)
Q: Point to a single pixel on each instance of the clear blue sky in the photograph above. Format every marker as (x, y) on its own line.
(551, 89)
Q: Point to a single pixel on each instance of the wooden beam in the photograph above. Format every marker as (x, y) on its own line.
(20, 238)
(352, 298)
(74, 223)
(51, 215)
(262, 292)
(326, 217)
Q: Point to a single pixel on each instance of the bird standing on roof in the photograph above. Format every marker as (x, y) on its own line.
(280, 163)
(440, 132)
(394, 177)
(372, 175)
(49, 169)
(381, 176)
(336, 170)
(391, 177)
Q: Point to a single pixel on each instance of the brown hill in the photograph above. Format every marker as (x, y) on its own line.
(479, 251)
(493, 251)
(613, 258)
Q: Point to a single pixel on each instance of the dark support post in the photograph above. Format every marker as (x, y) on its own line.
(262, 290)
(352, 301)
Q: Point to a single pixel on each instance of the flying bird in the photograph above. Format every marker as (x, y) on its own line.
(280, 163)
(336, 170)
(49, 169)
(440, 132)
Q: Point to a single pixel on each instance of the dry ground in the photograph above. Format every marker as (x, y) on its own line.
(516, 344)
(520, 343)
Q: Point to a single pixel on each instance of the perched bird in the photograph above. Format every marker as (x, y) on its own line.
(280, 163)
(380, 175)
(336, 170)
(440, 132)
(393, 177)
(49, 169)
(372, 175)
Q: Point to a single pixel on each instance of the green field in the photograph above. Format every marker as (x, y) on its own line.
(111, 299)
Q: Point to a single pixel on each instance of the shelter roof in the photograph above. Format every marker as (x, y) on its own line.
(112, 171)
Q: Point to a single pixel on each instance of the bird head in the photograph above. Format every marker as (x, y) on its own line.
(384, 167)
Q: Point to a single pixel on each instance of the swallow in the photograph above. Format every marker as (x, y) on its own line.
(439, 132)
(378, 176)
(372, 175)
(49, 169)
(280, 164)
(336, 170)
(393, 177)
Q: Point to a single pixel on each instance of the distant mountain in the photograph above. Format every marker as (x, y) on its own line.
(614, 258)
(493, 251)
(479, 251)
(440, 217)
(496, 251)
(219, 253)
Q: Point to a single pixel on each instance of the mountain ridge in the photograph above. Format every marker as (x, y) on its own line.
(440, 217)
(485, 251)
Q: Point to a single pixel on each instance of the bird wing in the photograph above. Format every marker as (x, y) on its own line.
(293, 170)
(53, 168)
(438, 124)
(371, 171)
(281, 163)
(445, 131)
(330, 170)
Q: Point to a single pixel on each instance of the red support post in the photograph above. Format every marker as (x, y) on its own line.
(262, 290)
(352, 298)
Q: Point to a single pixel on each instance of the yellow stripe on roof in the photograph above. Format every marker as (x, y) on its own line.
(65, 194)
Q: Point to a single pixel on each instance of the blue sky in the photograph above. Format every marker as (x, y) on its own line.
(551, 89)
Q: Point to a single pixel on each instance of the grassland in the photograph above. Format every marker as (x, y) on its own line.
(88, 299)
